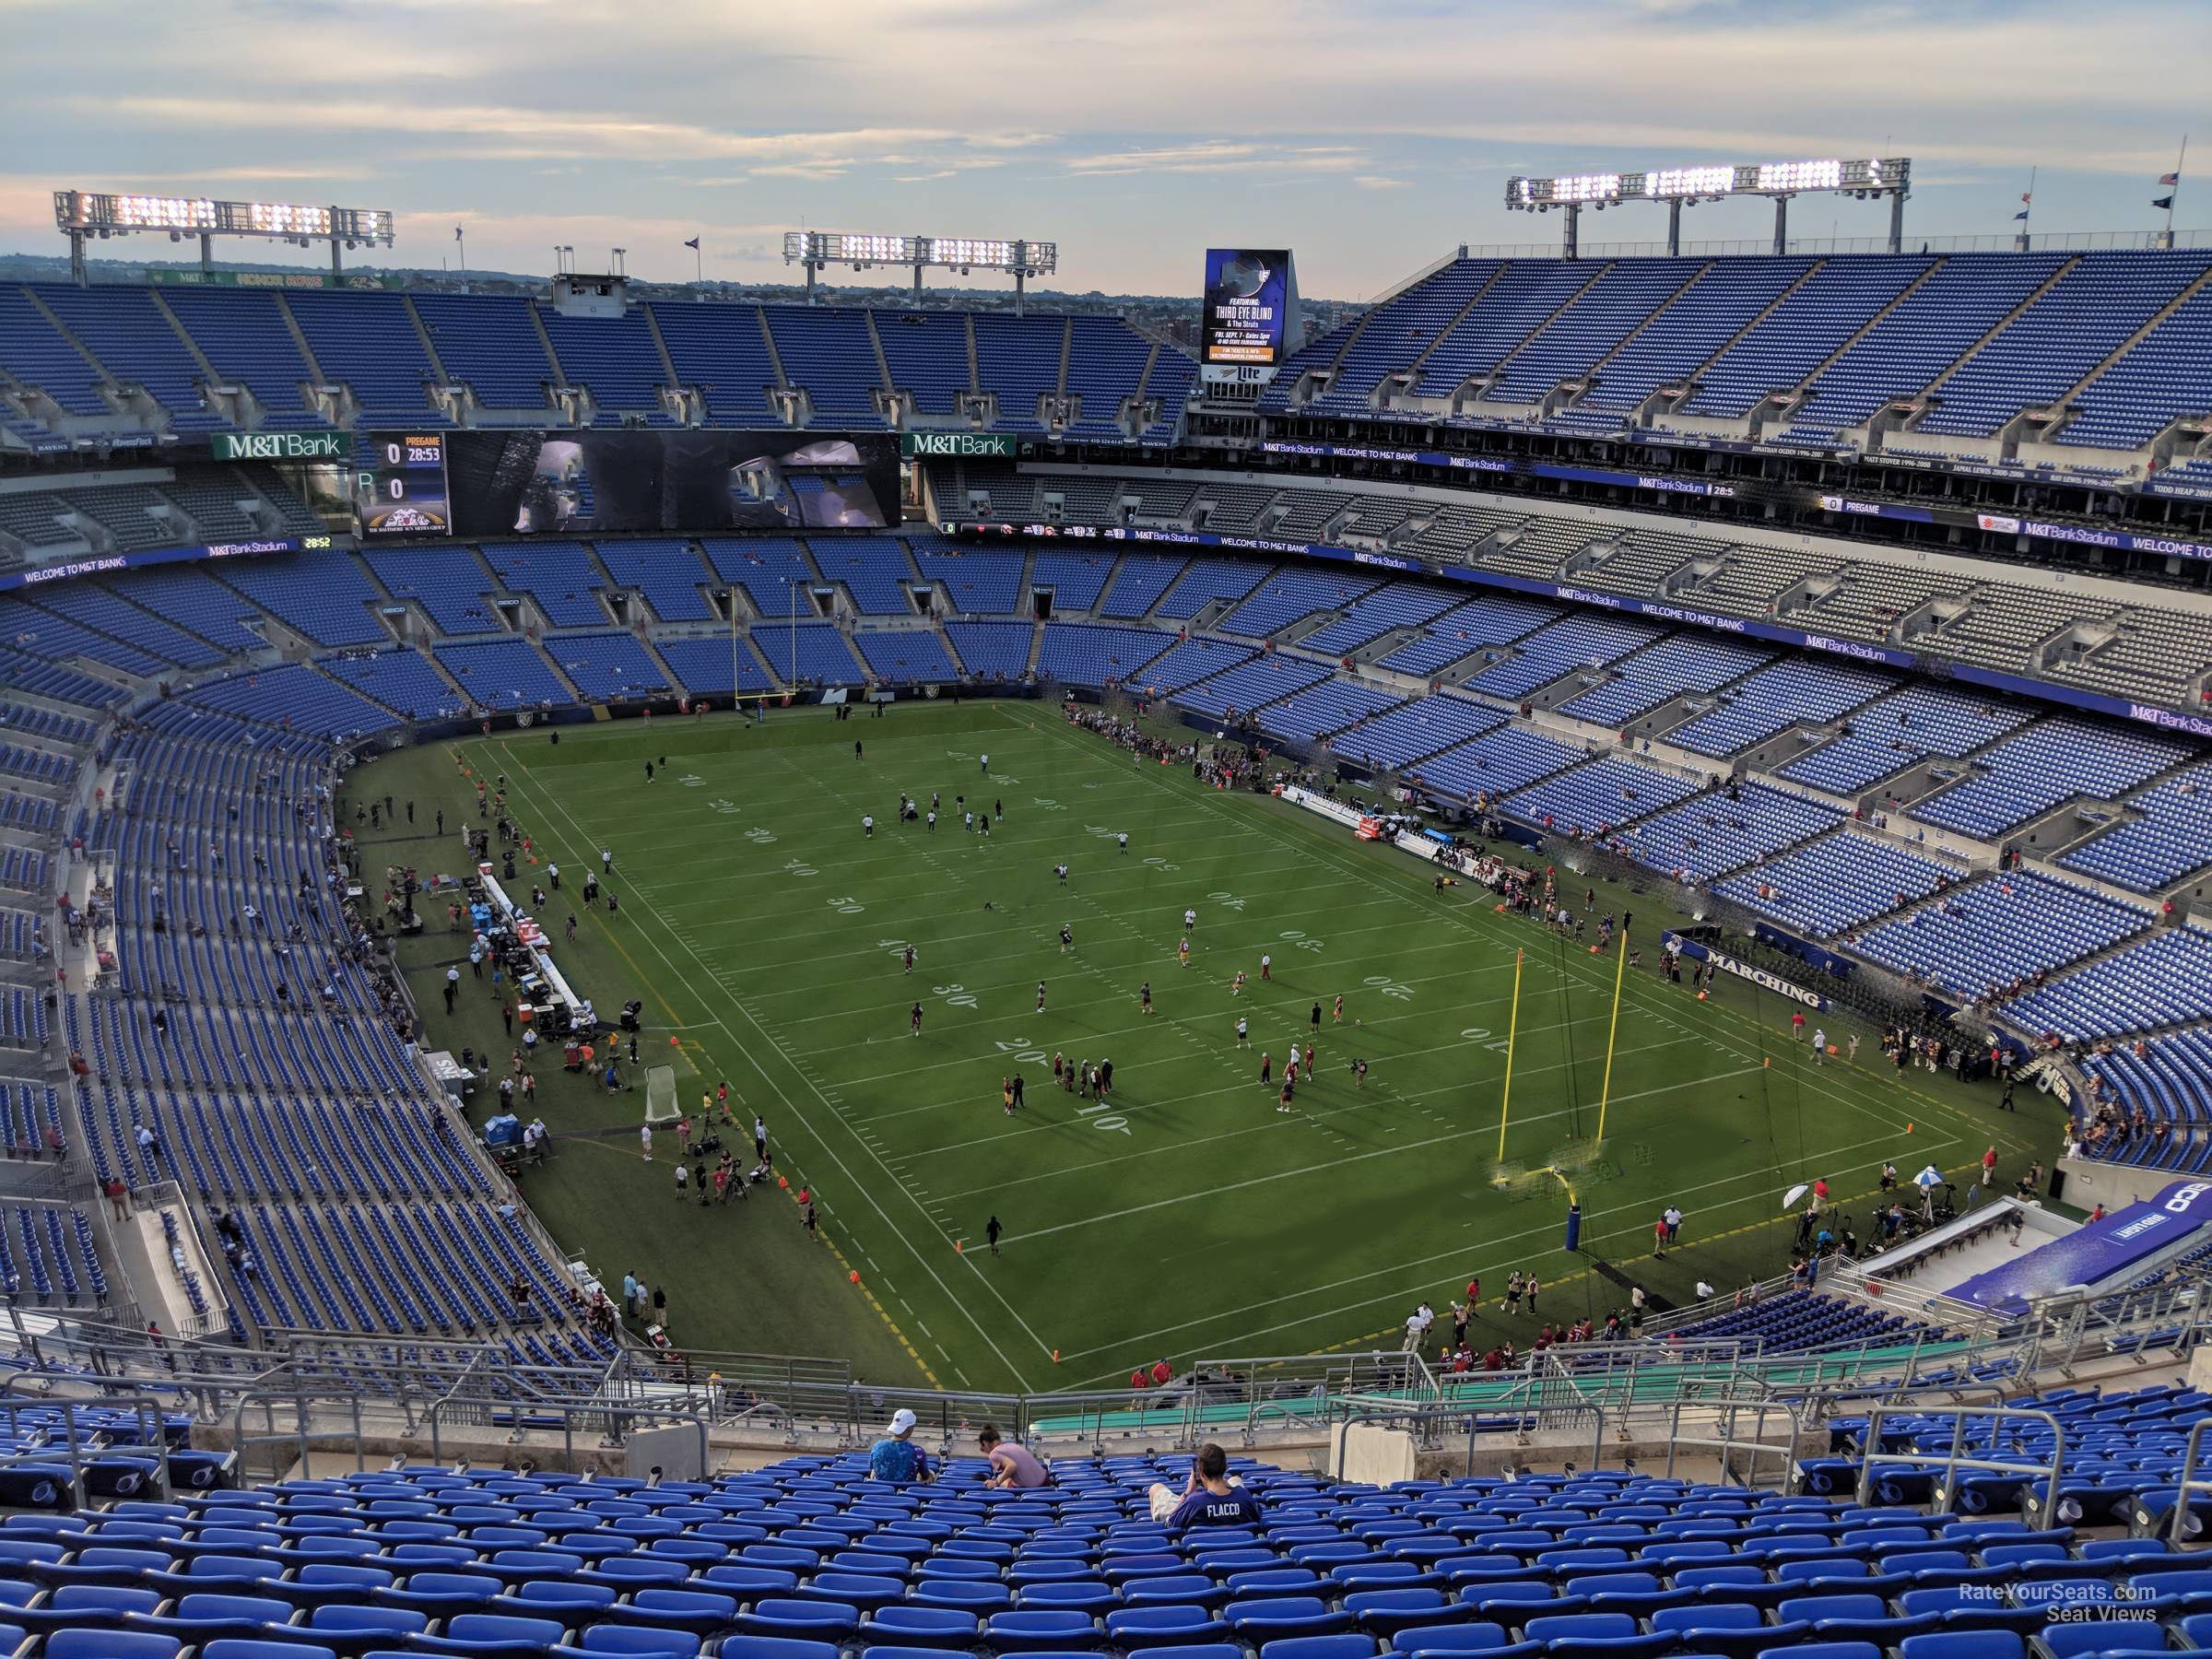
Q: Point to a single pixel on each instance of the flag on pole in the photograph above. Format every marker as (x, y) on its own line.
(2026, 202)
(693, 245)
(2171, 178)
(2021, 214)
(2165, 201)
(456, 233)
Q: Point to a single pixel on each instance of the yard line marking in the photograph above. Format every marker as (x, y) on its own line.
(1080, 963)
(745, 1013)
(1485, 924)
(791, 1105)
(1490, 932)
(1143, 1343)
(1257, 1180)
(996, 1294)
(1267, 1126)
(1247, 1085)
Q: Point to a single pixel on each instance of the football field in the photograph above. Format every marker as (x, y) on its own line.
(1184, 1216)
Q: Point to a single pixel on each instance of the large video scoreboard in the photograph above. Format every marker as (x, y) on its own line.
(1251, 317)
(400, 485)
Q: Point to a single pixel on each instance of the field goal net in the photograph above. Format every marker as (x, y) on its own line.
(660, 1095)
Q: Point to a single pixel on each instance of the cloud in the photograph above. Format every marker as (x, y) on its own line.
(607, 132)
(1220, 156)
(250, 175)
(1133, 132)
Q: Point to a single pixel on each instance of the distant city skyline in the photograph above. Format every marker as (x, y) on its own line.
(1368, 138)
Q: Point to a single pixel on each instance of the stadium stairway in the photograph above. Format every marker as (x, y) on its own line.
(1789, 398)
(2066, 403)
(1690, 381)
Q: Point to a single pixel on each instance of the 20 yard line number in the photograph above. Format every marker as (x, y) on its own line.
(1096, 1113)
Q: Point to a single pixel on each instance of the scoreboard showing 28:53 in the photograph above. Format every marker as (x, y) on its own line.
(400, 486)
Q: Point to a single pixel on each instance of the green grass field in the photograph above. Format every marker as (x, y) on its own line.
(1186, 1218)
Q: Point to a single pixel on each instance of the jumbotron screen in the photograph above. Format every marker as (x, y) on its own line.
(399, 485)
(1250, 296)
(570, 483)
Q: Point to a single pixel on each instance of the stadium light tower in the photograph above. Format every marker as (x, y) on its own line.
(1681, 187)
(819, 250)
(82, 215)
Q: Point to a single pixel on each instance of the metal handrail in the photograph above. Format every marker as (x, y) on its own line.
(153, 1437)
(2003, 242)
(1825, 1403)
(305, 1432)
(2177, 1524)
(1727, 1443)
(1473, 1418)
(394, 1372)
(1857, 1281)
(1953, 1461)
(1720, 1302)
(1260, 1410)
(613, 1419)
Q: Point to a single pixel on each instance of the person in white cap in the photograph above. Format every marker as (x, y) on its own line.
(896, 1458)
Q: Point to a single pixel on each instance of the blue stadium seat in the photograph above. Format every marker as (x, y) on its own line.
(491, 1636)
(99, 1643)
(1133, 1628)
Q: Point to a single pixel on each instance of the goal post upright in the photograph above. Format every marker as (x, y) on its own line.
(1605, 1091)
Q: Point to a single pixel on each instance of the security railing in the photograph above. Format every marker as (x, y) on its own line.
(1860, 1282)
(1955, 1457)
(1430, 1424)
(320, 1417)
(1726, 1411)
(2061, 242)
(80, 1442)
(2183, 1528)
(397, 1387)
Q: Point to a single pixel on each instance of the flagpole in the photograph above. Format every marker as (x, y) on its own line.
(2174, 194)
(1512, 1029)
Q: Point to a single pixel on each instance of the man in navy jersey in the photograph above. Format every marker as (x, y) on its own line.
(1209, 1498)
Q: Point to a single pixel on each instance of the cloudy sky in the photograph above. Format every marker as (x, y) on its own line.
(1369, 138)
